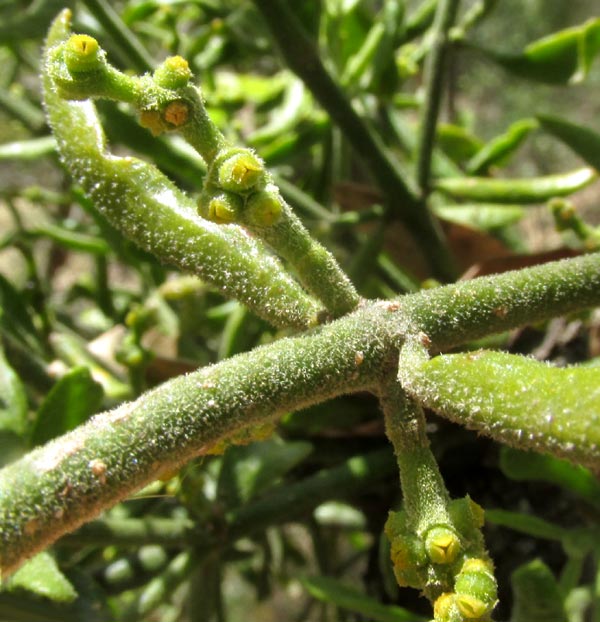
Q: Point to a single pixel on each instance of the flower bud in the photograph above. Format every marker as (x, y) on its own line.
(263, 208)
(173, 73)
(442, 545)
(445, 609)
(224, 208)
(82, 54)
(241, 172)
(475, 588)
(470, 607)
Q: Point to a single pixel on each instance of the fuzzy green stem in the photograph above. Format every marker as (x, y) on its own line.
(425, 498)
(58, 487)
(302, 57)
(434, 81)
(317, 268)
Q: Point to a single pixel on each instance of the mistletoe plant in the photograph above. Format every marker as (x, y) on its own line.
(242, 236)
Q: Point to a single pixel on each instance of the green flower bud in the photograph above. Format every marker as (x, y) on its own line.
(224, 208)
(83, 54)
(263, 208)
(407, 552)
(173, 73)
(442, 545)
(470, 607)
(240, 172)
(475, 588)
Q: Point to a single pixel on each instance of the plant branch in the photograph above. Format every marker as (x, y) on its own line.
(425, 498)
(434, 82)
(64, 484)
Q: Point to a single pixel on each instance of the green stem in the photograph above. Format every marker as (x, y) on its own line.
(302, 57)
(58, 487)
(434, 81)
(317, 268)
(236, 176)
(425, 498)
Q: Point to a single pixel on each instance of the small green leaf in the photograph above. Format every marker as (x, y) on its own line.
(250, 469)
(456, 142)
(31, 149)
(72, 400)
(531, 525)
(13, 401)
(482, 216)
(564, 56)
(42, 576)
(583, 141)
(526, 403)
(71, 240)
(532, 190)
(330, 590)
(500, 148)
(537, 594)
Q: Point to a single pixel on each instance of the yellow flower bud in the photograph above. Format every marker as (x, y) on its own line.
(475, 588)
(82, 54)
(152, 120)
(444, 608)
(173, 73)
(442, 545)
(471, 607)
(263, 208)
(224, 208)
(241, 172)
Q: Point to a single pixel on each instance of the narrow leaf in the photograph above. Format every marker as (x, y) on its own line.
(532, 190)
(15, 317)
(537, 595)
(330, 590)
(525, 523)
(481, 216)
(559, 58)
(501, 147)
(521, 465)
(583, 141)
(456, 142)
